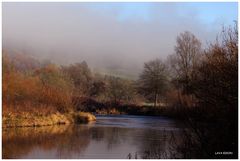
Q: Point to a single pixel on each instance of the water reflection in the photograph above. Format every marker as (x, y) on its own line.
(97, 140)
(64, 140)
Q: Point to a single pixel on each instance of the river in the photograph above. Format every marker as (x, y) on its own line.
(115, 137)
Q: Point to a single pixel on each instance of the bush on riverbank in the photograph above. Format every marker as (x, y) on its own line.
(32, 88)
(83, 117)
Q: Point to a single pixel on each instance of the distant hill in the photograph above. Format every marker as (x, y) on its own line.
(23, 61)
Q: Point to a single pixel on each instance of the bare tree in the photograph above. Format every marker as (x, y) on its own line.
(185, 59)
(81, 76)
(153, 80)
(120, 90)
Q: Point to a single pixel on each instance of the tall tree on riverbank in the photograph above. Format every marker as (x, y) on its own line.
(153, 80)
(185, 59)
(183, 64)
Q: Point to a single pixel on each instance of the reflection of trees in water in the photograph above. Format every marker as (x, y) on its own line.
(158, 144)
(154, 143)
(19, 141)
(113, 136)
(151, 143)
(65, 139)
(72, 145)
(97, 134)
(71, 141)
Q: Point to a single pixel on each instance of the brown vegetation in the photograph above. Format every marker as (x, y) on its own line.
(207, 100)
(198, 86)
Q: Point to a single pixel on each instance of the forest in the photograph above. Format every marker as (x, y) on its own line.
(197, 85)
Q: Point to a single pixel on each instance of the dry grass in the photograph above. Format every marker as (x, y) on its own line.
(28, 119)
(83, 117)
(111, 111)
(29, 107)
(41, 116)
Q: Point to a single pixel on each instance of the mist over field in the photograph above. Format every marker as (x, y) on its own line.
(115, 38)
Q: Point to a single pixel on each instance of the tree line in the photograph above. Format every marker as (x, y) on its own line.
(181, 79)
(28, 83)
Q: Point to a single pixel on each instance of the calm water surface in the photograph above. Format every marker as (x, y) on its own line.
(108, 137)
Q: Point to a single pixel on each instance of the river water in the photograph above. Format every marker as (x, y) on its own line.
(116, 137)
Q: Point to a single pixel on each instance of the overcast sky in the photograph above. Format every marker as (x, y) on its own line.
(109, 35)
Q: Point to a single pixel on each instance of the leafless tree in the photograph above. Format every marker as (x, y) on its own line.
(153, 80)
(185, 59)
(81, 76)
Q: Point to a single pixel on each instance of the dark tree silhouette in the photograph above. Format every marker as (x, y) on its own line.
(153, 80)
(185, 59)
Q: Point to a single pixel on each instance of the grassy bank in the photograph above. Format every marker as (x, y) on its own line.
(27, 119)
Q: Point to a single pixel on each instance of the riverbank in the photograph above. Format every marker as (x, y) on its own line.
(132, 110)
(117, 108)
(28, 119)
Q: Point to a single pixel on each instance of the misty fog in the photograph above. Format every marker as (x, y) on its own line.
(110, 37)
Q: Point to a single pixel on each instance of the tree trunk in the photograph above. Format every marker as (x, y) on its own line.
(155, 100)
(179, 97)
